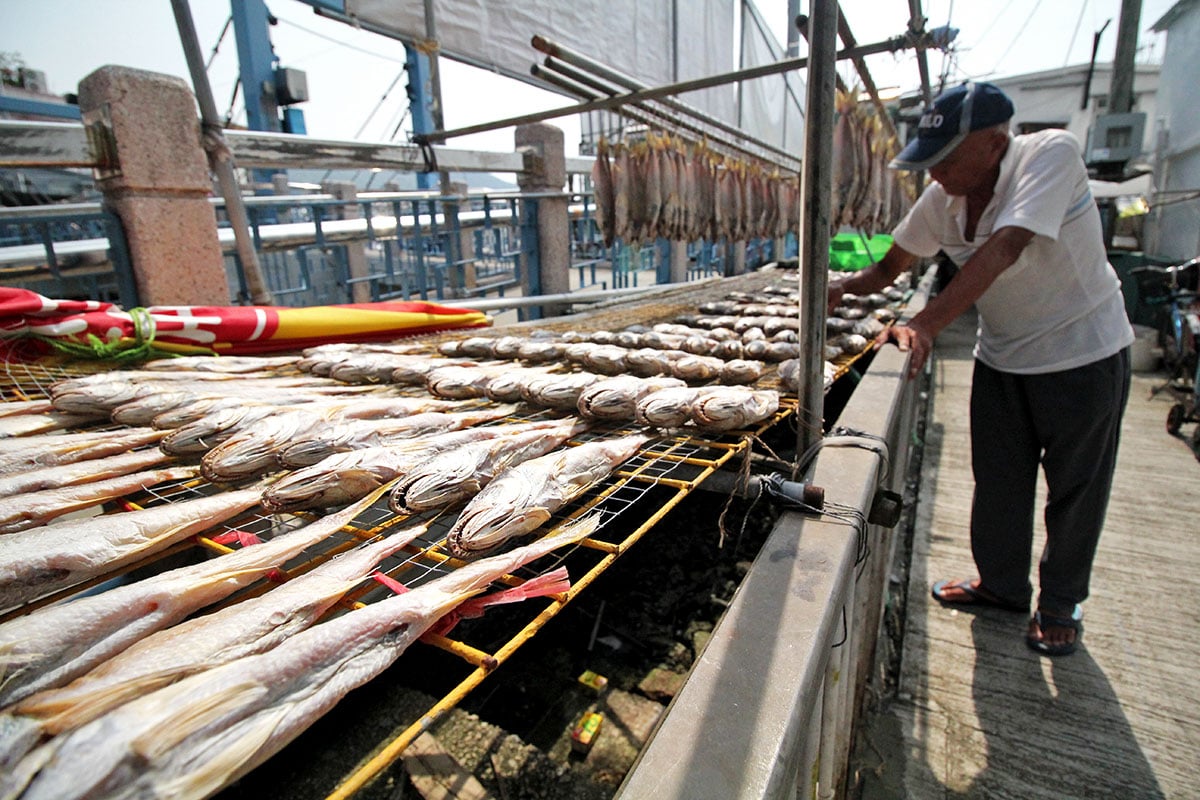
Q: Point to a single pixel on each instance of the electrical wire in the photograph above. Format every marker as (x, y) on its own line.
(1024, 25)
(220, 38)
(1078, 24)
(341, 43)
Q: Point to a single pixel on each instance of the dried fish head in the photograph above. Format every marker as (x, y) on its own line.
(666, 408)
(606, 359)
(482, 528)
(696, 369)
(558, 391)
(738, 371)
(458, 383)
(616, 398)
(723, 408)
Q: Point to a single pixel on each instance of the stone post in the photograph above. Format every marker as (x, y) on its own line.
(737, 251)
(546, 171)
(160, 186)
(463, 248)
(356, 256)
(679, 262)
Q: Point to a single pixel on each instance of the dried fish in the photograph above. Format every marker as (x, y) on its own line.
(666, 408)
(77, 472)
(616, 398)
(71, 448)
(724, 408)
(605, 359)
(540, 352)
(696, 369)
(647, 361)
(460, 473)
(329, 438)
(189, 739)
(506, 387)
(738, 371)
(226, 364)
(253, 625)
(523, 498)
(558, 391)
(30, 509)
(344, 477)
(850, 343)
(53, 645)
(461, 383)
(32, 424)
(210, 431)
(41, 560)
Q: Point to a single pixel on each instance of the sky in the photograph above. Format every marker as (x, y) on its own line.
(349, 71)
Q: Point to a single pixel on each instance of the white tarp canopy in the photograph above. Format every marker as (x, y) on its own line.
(656, 42)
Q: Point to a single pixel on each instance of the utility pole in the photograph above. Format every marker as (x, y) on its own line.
(1120, 93)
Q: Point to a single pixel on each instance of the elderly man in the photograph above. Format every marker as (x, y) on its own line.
(1051, 374)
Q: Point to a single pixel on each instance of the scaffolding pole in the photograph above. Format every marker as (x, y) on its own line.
(219, 158)
(642, 95)
(815, 219)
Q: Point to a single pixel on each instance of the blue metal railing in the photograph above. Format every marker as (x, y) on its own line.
(319, 250)
(67, 251)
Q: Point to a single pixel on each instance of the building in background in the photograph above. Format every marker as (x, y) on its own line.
(1173, 227)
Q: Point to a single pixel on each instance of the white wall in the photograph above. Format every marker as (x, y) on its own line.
(1055, 97)
(1174, 227)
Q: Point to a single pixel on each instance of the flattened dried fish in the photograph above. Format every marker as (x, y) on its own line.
(558, 391)
(616, 398)
(459, 473)
(154, 655)
(30, 509)
(55, 644)
(523, 498)
(738, 371)
(306, 449)
(73, 473)
(71, 448)
(724, 408)
(344, 477)
(666, 408)
(41, 560)
(461, 383)
(191, 738)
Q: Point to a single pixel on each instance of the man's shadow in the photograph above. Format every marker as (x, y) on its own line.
(1056, 732)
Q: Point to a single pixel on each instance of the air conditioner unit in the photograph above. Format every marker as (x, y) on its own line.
(1115, 138)
(33, 80)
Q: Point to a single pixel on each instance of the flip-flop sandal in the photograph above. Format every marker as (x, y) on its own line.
(1043, 621)
(974, 597)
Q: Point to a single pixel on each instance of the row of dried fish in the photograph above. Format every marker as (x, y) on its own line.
(232, 688)
(866, 194)
(658, 187)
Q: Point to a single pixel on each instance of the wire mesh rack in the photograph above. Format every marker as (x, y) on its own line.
(630, 502)
(627, 504)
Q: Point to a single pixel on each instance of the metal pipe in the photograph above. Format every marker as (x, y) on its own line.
(574, 81)
(219, 157)
(916, 27)
(641, 95)
(626, 82)
(815, 220)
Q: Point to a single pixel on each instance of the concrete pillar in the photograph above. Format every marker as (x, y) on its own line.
(546, 171)
(679, 262)
(356, 256)
(161, 185)
(738, 258)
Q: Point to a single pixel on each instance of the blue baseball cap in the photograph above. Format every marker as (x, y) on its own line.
(955, 113)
